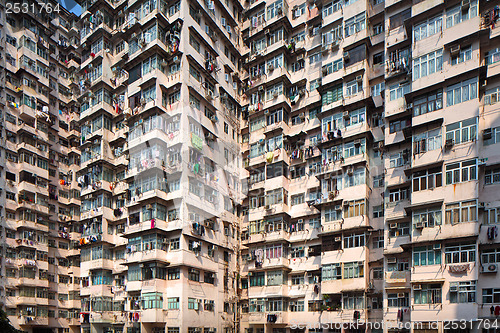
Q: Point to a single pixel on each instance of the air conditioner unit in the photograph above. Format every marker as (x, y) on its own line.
(338, 238)
(133, 35)
(417, 287)
(325, 48)
(401, 295)
(487, 133)
(148, 207)
(346, 56)
(489, 268)
(270, 68)
(482, 161)
(409, 106)
(391, 260)
(359, 78)
(345, 114)
(453, 287)
(261, 88)
(454, 50)
(448, 144)
(302, 115)
(267, 31)
(437, 246)
(419, 225)
(357, 142)
(393, 226)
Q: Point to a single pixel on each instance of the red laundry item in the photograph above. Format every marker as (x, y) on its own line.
(92, 54)
(152, 223)
(497, 310)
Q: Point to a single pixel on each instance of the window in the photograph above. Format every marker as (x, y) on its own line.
(428, 218)
(354, 25)
(314, 58)
(351, 302)
(331, 272)
(427, 179)
(378, 29)
(378, 242)
(378, 211)
(174, 274)
(463, 292)
(378, 89)
(492, 56)
(353, 87)
(492, 176)
(378, 181)
(257, 279)
(491, 295)
(426, 255)
(332, 95)
(398, 125)
(427, 28)
(194, 275)
(491, 96)
(354, 241)
(428, 103)
(173, 304)
(492, 215)
(461, 92)
(456, 15)
(298, 199)
(354, 208)
(297, 306)
(427, 64)
(353, 270)
(465, 54)
(276, 278)
(427, 141)
(398, 91)
(378, 58)
(398, 194)
(465, 211)
(398, 300)
(462, 131)
(463, 253)
(333, 67)
(193, 304)
(332, 213)
(152, 301)
(399, 229)
(331, 8)
(297, 280)
(427, 294)
(461, 172)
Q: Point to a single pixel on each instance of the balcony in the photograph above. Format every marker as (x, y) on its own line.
(33, 321)
(154, 316)
(397, 277)
(150, 255)
(262, 318)
(396, 36)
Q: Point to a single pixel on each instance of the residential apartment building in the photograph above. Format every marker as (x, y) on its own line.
(159, 110)
(40, 156)
(263, 166)
(369, 142)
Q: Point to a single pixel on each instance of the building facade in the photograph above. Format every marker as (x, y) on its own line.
(259, 166)
(371, 159)
(159, 168)
(40, 157)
